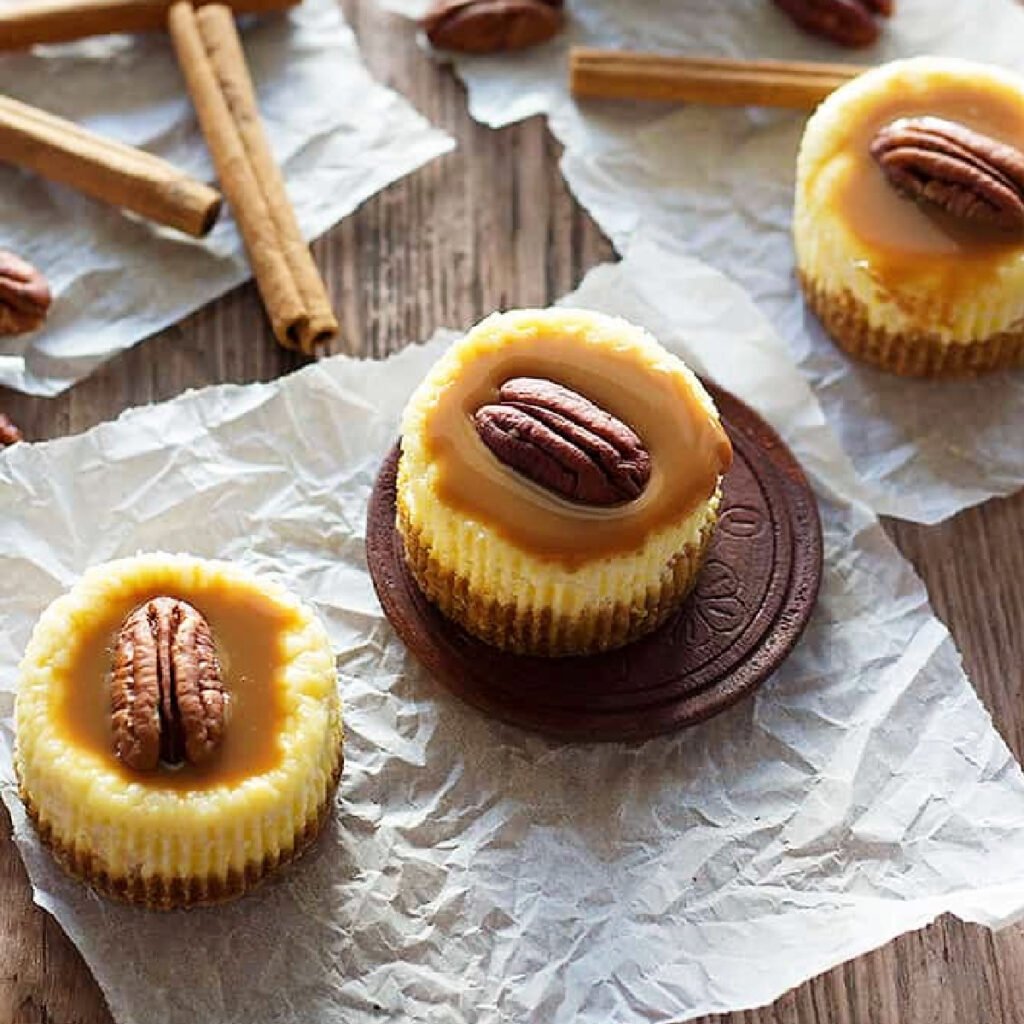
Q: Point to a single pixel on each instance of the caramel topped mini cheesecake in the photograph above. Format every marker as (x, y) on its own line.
(178, 729)
(909, 216)
(559, 481)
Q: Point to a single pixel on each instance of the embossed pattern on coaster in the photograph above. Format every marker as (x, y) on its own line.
(754, 596)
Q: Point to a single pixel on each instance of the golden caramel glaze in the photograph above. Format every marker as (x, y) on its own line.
(911, 240)
(913, 251)
(688, 447)
(248, 633)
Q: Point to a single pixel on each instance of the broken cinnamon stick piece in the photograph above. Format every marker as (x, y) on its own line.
(110, 171)
(718, 81)
(213, 64)
(27, 23)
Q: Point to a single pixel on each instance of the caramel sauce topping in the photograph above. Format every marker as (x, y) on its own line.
(689, 449)
(907, 242)
(248, 632)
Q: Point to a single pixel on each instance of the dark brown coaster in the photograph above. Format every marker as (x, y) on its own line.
(751, 603)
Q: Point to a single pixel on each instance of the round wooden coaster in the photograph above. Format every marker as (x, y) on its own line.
(751, 603)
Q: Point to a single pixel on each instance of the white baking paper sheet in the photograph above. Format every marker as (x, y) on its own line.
(474, 873)
(339, 135)
(718, 183)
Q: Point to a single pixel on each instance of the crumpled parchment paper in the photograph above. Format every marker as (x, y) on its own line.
(339, 135)
(718, 183)
(476, 873)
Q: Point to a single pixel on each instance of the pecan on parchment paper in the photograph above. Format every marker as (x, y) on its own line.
(24, 295)
(492, 26)
(167, 695)
(965, 173)
(846, 22)
(564, 442)
(9, 433)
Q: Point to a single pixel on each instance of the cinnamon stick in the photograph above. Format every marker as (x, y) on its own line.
(110, 171)
(213, 64)
(25, 24)
(614, 74)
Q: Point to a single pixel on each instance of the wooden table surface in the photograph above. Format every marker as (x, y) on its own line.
(490, 226)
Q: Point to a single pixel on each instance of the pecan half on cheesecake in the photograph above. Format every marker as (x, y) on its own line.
(167, 694)
(559, 481)
(178, 731)
(564, 442)
(970, 176)
(909, 217)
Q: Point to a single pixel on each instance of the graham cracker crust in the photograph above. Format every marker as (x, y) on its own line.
(538, 631)
(910, 355)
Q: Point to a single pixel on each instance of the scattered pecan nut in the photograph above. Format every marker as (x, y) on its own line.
(846, 22)
(492, 26)
(24, 295)
(965, 173)
(167, 696)
(564, 442)
(9, 433)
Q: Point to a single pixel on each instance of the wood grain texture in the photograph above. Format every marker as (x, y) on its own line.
(492, 226)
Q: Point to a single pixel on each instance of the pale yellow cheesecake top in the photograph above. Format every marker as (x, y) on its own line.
(913, 265)
(281, 742)
(485, 522)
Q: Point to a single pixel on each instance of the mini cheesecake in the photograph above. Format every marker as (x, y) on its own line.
(178, 730)
(909, 217)
(559, 481)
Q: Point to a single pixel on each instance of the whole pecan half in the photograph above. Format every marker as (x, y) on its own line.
(167, 695)
(9, 433)
(564, 442)
(846, 22)
(24, 295)
(492, 26)
(953, 167)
